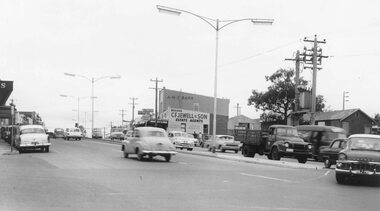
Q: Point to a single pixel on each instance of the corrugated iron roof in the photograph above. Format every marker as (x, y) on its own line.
(334, 115)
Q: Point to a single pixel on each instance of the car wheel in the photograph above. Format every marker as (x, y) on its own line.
(139, 155)
(269, 156)
(236, 151)
(42, 149)
(327, 163)
(209, 149)
(151, 157)
(124, 153)
(340, 178)
(189, 149)
(223, 150)
(47, 149)
(275, 154)
(302, 159)
(168, 157)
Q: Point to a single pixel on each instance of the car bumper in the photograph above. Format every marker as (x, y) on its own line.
(34, 145)
(152, 152)
(230, 147)
(358, 168)
(184, 146)
(295, 154)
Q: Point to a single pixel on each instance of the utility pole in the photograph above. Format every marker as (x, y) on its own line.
(297, 93)
(122, 116)
(237, 109)
(315, 60)
(156, 80)
(345, 95)
(133, 108)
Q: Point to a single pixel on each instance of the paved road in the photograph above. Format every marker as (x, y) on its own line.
(87, 175)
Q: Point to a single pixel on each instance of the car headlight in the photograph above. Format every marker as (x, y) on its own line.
(286, 145)
(309, 146)
(342, 157)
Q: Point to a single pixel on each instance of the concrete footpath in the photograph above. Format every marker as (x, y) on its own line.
(5, 148)
(284, 162)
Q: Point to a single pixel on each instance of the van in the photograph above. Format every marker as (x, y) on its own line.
(319, 136)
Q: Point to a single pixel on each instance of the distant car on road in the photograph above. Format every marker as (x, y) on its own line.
(32, 137)
(182, 140)
(360, 157)
(97, 133)
(149, 141)
(329, 154)
(59, 133)
(74, 133)
(117, 135)
(223, 143)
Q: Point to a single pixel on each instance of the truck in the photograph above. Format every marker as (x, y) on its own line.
(276, 142)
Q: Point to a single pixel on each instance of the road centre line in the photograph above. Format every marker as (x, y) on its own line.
(264, 177)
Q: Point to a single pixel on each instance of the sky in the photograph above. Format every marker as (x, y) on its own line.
(40, 40)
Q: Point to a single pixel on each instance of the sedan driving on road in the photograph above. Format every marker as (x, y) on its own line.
(148, 141)
(361, 157)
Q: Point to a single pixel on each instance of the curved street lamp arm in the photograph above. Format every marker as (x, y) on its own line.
(104, 77)
(178, 11)
(229, 22)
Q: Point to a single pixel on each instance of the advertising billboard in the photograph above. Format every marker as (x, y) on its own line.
(6, 88)
(186, 120)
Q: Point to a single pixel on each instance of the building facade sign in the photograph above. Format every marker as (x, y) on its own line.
(187, 120)
(6, 88)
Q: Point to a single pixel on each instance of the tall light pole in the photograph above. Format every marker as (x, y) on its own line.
(78, 98)
(217, 25)
(92, 80)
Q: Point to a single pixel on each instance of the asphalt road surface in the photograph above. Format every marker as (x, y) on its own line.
(87, 175)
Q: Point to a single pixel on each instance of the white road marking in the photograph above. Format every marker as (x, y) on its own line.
(264, 177)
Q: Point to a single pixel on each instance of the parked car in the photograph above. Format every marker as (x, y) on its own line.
(223, 143)
(32, 137)
(117, 135)
(97, 133)
(329, 154)
(182, 140)
(59, 133)
(319, 136)
(360, 157)
(149, 141)
(74, 133)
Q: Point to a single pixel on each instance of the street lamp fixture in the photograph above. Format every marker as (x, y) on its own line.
(78, 98)
(92, 80)
(217, 25)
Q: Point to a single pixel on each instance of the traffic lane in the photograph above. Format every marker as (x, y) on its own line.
(189, 182)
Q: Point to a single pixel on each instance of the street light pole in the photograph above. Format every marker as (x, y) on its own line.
(217, 26)
(92, 80)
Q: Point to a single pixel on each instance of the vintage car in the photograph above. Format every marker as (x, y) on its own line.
(73, 133)
(182, 140)
(97, 133)
(148, 141)
(360, 158)
(117, 135)
(59, 133)
(223, 143)
(32, 137)
(329, 154)
(319, 136)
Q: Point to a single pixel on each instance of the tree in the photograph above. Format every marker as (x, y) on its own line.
(277, 102)
(377, 119)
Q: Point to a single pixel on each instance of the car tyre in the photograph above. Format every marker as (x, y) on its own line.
(302, 159)
(47, 149)
(341, 178)
(125, 154)
(327, 163)
(236, 151)
(189, 149)
(275, 154)
(223, 150)
(168, 158)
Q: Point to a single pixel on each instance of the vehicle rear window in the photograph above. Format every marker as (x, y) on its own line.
(32, 130)
(155, 134)
(365, 143)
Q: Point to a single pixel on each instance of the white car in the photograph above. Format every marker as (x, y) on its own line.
(148, 141)
(223, 143)
(74, 133)
(182, 140)
(32, 137)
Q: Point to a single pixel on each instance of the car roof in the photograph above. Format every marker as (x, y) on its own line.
(319, 128)
(31, 126)
(144, 129)
(283, 126)
(224, 135)
(364, 136)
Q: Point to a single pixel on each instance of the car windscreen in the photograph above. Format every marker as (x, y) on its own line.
(287, 132)
(154, 134)
(365, 143)
(32, 130)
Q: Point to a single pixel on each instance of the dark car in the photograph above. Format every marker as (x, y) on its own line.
(59, 133)
(360, 158)
(319, 136)
(329, 154)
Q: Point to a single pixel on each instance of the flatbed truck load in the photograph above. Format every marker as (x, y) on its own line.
(277, 142)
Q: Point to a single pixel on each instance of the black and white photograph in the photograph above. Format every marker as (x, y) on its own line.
(190, 105)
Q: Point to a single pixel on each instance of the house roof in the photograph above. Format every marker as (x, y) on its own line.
(337, 115)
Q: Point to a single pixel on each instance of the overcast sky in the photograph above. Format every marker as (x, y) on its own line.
(42, 39)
